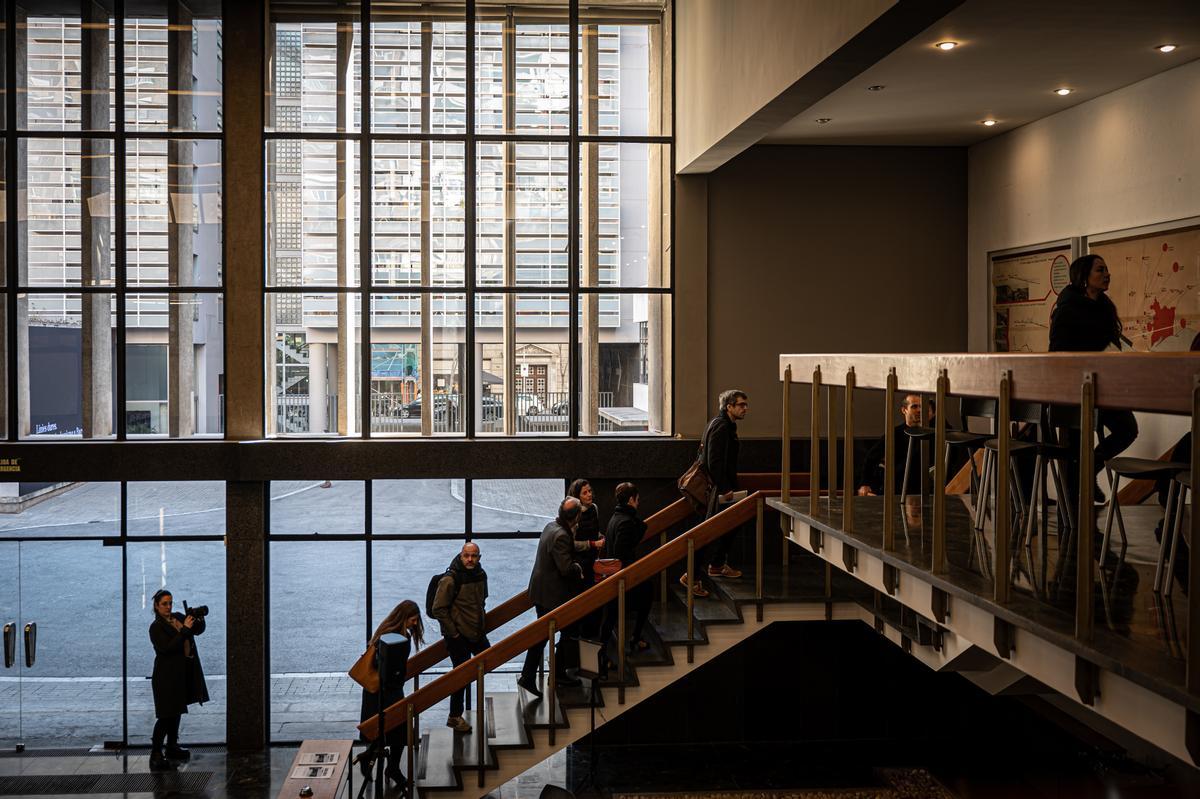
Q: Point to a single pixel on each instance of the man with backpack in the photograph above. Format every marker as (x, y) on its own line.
(456, 599)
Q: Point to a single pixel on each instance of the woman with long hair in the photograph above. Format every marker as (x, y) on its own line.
(587, 531)
(178, 679)
(405, 620)
(1084, 319)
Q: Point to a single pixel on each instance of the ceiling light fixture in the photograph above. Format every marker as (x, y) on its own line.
(1166, 48)
(878, 87)
(946, 45)
(824, 121)
(989, 122)
(1063, 92)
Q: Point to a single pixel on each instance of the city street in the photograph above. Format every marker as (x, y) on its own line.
(71, 696)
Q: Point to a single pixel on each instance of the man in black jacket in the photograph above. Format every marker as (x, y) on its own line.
(459, 607)
(870, 482)
(720, 450)
(556, 578)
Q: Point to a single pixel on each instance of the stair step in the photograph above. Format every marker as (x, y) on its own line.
(801, 580)
(713, 609)
(535, 712)
(670, 624)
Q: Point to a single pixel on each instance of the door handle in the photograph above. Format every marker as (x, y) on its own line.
(30, 644)
(10, 645)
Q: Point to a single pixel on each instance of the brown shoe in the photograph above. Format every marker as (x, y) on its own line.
(698, 588)
(724, 571)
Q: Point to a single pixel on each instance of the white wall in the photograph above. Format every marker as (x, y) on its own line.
(1128, 158)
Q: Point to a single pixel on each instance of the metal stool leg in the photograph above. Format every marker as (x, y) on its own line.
(1038, 490)
(985, 490)
(1060, 490)
(1181, 503)
(1108, 517)
(907, 463)
(1168, 529)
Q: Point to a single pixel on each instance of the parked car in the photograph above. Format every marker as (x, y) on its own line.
(440, 403)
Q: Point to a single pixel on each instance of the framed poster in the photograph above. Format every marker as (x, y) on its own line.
(1155, 283)
(1023, 285)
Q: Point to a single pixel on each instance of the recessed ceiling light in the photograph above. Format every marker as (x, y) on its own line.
(1063, 92)
(989, 122)
(1166, 48)
(824, 121)
(878, 87)
(946, 45)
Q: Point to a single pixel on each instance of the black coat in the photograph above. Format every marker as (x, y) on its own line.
(588, 530)
(397, 670)
(1081, 324)
(720, 444)
(556, 575)
(178, 680)
(625, 531)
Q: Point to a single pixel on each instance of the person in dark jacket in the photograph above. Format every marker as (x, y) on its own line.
(1084, 319)
(870, 482)
(459, 606)
(588, 530)
(720, 452)
(405, 619)
(555, 579)
(624, 535)
(178, 679)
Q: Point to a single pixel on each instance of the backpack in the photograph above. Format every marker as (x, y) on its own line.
(431, 591)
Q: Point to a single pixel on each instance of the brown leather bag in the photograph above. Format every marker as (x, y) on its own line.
(696, 483)
(605, 567)
(364, 671)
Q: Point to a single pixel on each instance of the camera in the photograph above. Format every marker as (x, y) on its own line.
(198, 612)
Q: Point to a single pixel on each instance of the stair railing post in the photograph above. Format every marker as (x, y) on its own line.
(939, 473)
(550, 681)
(848, 457)
(814, 443)
(889, 465)
(620, 640)
(410, 789)
(1000, 535)
(785, 475)
(759, 512)
(480, 723)
(662, 576)
(1085, 575)
(691, 597)
(831, 440)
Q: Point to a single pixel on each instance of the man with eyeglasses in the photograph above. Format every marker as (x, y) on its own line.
(720, 443)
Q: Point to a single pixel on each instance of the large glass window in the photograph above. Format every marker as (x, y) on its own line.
(450, 194)
(117, 290)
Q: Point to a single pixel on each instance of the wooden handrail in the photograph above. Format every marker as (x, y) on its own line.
(585, 603)
(1159, 382)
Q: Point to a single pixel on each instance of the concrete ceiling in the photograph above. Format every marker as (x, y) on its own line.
(1011, 57)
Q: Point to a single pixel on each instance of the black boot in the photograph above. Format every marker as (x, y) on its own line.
(160, 763)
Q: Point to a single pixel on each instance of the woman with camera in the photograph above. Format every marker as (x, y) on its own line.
(404, 619)
(178, 679)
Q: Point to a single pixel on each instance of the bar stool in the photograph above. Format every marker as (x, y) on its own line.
(1181, 484)
(968, 408)
(1030, 413)
(1136, 469)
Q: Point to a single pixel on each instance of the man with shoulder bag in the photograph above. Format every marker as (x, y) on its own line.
(459, 606)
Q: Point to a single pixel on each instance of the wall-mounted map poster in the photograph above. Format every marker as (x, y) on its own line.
(1156, 287)
(1024, 288)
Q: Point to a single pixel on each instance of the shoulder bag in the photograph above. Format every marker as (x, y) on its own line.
(364, 671)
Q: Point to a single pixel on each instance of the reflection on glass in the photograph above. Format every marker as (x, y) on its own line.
(68, 68)
(522, 81)
(301, 507)
(625, 367)
(173, 67)
(620, 72)
(316, 380)
(310, 640)
(195, 573)
(625, 191)
(174, 364)
(60, 509)
(176, 508)
(313, 74)
(417, 506)
(521, 219)
(173, 213)
(414, 56)
(312, 240)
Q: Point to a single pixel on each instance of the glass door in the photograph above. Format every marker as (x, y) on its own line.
(10, 622)
(69, 617)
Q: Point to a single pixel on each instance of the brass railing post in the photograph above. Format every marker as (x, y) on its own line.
(1192, 674)
(691, 597)
(831, 439)
(759, 511)
(814, 443)
(411, 725)
(550, 682)
(620, 641)
(1085, 574)
(889, 464)
(848, 457)
(480, 724)
(1000, 535)
(785, 469)
(939, 474)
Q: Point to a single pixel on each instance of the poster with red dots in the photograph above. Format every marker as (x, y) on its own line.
(1156, 287)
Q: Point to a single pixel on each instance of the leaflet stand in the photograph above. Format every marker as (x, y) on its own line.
(590, 654)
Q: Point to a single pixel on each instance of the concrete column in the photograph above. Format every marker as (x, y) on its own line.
(509, 82)
(589, 334)
(95, 224)
(426, 360)
(346, 356)
(271, 243)
(318, 398)
(658, 253)
(245, 615)
(181, 370)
